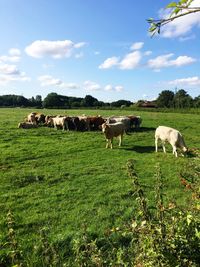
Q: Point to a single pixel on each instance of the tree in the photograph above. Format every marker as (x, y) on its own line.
(14, 101)
(196, 102)
(38, 100)
(51, 100)
(89, 101)
(120, 103)
(165, 99)
(182, 99)
(178, 9)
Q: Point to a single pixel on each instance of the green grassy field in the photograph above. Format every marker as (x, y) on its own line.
(67, 180)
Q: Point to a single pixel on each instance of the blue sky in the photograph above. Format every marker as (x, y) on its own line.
(96, 47)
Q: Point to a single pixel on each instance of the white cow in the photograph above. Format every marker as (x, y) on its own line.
(31, 118)
(124, 119)
(172, 136)
(61, 122)
(113, 130)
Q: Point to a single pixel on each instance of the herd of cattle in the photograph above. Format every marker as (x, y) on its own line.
(78, 123)
(114, 126)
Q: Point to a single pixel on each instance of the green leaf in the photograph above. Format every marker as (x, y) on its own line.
(152, 29)
(176, 11)
(189, 219)
(197, 233)
(181, 2)
(150, 20)
(172, 4)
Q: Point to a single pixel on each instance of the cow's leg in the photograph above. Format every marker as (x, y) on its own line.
(107, 143)
(163, 146)
(120, 140)
(174, 151)
(111, 143)
(66, 126)
(156, 144)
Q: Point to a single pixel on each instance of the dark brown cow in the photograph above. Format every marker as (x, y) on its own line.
(95, 122)
(135, 121)
(27, 125)
(73, 123)
(40, 118)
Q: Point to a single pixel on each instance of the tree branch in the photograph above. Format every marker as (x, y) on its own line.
(156, 24)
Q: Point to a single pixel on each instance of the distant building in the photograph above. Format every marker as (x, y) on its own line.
(148, 104)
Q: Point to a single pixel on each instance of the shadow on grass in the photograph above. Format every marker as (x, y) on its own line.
(141, 149)
(143, 129)
(191, 154)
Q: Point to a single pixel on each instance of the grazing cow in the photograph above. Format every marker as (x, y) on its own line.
(123, 119)
(40, 118)
(172, 136)
(49, 120)
(113, 130)
(59, 121)
(135, 121)
(31, 118)
(27, 125)
(36, 118)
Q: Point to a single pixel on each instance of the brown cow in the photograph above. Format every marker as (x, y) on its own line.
(113, 130)
(95, 122)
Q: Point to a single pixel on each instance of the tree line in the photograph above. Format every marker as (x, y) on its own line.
(166, 99)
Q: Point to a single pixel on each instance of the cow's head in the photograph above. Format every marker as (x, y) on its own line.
(104, 127)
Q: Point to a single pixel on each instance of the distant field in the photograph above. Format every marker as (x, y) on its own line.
(65, 180)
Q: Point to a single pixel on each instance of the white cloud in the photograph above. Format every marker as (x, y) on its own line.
(164, 61)
(48, 80)
(182, 60)
(54, 49)
(91, 86)
(9, 73)
(130, 61)
(109, 63)
(14, 56)
(181, 26)
(119, 88)
(14, 52)
(110, 88)
(186, 38)
(9, 59)
(9, 69)
(147, 53)
(190, 81)
(79, 45)
(137, 46)
(69, 85)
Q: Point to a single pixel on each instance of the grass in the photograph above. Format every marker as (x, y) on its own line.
(66, 181)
